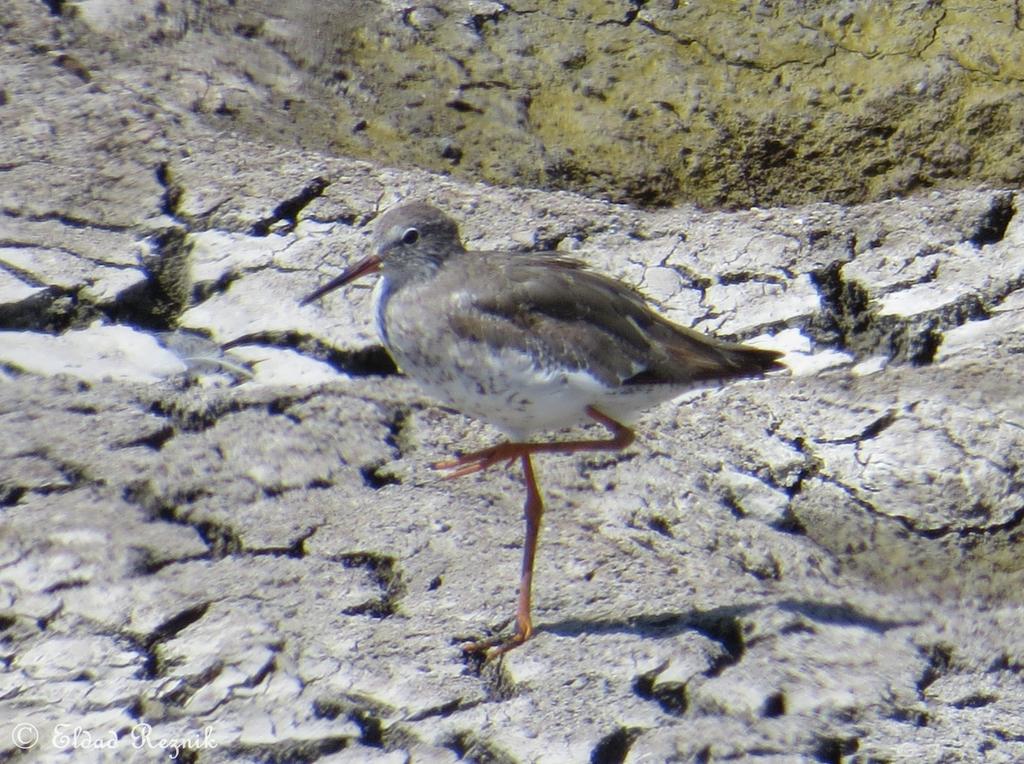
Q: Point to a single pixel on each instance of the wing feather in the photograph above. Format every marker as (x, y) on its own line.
(566, 315)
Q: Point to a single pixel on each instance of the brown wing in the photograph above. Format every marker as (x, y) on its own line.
(565, 314)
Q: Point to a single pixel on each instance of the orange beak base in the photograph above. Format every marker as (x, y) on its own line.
(366, 266)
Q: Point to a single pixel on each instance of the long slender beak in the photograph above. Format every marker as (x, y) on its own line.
(369, 264)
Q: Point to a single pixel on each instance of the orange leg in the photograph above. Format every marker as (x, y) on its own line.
(478, 461)
(622, 436)
(534, 510)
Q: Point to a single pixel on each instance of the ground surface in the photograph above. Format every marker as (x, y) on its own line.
(653, 103)
(219, 525)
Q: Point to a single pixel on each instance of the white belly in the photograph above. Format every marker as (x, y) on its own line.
(505, 388)
(511, 393)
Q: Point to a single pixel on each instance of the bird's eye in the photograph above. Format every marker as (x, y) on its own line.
(411, 236)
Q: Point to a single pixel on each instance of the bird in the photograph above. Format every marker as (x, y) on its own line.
(530, 342)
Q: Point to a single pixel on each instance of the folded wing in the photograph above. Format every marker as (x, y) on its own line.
(562, 313)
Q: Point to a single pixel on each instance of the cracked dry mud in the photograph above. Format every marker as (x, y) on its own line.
(236, 533)
(819, 566)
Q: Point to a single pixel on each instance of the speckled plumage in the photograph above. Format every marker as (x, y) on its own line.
(528, 342)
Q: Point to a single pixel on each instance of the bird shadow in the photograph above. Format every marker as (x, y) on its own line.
(653, 625)
(843, 614)
(721, 623)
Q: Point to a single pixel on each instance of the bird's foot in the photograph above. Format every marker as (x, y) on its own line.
(492, 647)
(477, 461)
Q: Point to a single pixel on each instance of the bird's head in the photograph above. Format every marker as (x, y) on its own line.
(407, 240)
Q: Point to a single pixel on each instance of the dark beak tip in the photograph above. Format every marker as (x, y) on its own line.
(319, 292)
